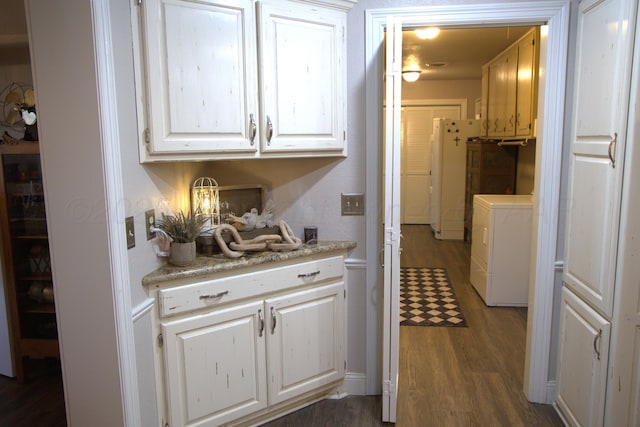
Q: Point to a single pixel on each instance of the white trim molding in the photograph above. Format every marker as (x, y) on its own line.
(555, 15)
(355, 384)
(140, 310)
(114, 193)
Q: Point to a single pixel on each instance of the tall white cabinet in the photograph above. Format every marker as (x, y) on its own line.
(594, 326)
(241, 79)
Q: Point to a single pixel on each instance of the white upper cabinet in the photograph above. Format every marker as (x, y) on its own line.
(201, 77)
(303, 78)
(222, 79)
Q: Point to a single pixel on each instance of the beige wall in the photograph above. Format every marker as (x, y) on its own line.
(444, 89)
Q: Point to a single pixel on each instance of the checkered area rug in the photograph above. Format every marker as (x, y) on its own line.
(427, 298)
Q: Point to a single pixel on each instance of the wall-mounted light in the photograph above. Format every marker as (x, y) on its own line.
(410, 75)
(427, 33)
(205, 201)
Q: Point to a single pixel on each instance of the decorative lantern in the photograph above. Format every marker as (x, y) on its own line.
(205, 201)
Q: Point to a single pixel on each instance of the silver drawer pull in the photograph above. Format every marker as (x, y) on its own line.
(305, 275)
(214, 296)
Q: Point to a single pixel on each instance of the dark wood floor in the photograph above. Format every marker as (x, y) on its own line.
(449, 376)
(39, 402)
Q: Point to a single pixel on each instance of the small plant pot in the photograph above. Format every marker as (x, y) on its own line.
(182, 254)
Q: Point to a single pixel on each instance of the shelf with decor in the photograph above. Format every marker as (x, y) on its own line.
(26, 261)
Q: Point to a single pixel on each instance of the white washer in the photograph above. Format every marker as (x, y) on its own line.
(501, 248)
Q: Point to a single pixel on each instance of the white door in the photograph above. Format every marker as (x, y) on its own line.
(215, 366)
(306, 341)
(303, 77)
(582, 362)
(391, 315)
(598, 137)
(416, 162)
(201, 75)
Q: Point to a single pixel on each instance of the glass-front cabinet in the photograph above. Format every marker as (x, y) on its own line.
(25, 250)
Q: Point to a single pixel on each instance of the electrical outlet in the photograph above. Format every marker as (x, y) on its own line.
(352, 204)
(131, 235)
(150, 221)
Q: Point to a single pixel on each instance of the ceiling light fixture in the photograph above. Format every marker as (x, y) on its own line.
(410, 75)
(427, 33)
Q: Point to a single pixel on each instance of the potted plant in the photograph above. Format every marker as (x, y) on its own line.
(183, 230)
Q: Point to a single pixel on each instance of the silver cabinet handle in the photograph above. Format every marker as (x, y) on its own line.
(253, 129)
(596, 343)
(304, 275)
(612, 146)
(269, 130)
(260, 323)
(273, 320)
(214, 296)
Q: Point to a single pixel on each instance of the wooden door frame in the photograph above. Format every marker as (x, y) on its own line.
(555, 14)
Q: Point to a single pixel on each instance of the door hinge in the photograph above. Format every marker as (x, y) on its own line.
(147, 135)
(160, 340)
(345, 294)
(345, 365)
(344, 135)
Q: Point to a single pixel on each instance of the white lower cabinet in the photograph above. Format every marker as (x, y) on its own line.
(582, 362)
(243, 359)
(304, 343)
(215, 366)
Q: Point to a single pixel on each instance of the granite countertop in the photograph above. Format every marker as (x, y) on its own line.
(216, 263)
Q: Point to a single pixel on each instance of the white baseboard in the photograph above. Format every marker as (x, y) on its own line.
(551, 392)
(355, 384)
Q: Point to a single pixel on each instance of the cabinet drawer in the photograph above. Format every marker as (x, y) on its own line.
(218, 291)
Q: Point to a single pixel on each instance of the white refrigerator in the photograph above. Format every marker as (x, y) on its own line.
(448, 173)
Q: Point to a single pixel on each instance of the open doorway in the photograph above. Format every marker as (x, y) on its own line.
(550, 129)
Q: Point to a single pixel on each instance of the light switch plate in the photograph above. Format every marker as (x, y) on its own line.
(352, 204)
(131, 236)
(150, 221)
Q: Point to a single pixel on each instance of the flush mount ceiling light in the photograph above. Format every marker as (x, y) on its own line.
(435, 64)
(410, 75)
(427, 33)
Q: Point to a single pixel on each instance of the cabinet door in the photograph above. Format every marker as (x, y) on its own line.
(215, 366)
(502, 94)
(527, 78)
(601, 93)
(303, 75)
(582, 362)
(484, 102)
(306, 341)
(201, 76)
